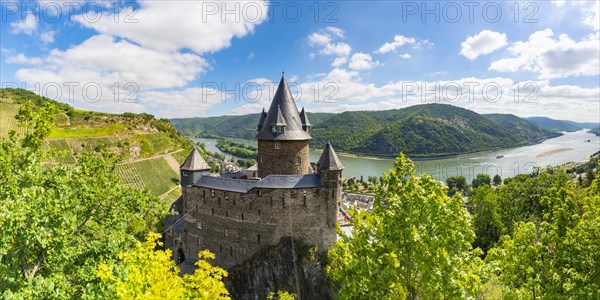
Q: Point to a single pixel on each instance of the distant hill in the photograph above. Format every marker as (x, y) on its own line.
(151, 148)
(596, 131)
(427, 130)
(560, 125)
(243, 127)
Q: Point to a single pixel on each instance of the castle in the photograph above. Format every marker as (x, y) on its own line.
(289, 196)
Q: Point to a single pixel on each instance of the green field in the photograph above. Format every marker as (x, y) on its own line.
(8, 109)
(154, 174)
(61, 132)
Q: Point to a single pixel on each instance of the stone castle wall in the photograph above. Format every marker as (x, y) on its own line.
(283, 161)
(235, 226)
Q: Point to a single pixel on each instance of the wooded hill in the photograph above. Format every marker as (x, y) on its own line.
(428, 130)
(561, 125)
(150, 149)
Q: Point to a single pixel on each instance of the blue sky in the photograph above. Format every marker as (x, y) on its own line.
(206, 58)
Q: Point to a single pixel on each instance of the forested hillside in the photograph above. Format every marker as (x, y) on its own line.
(149, 149)
(420, 131)
(561, 125)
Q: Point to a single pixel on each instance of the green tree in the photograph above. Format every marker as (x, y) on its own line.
(415, 242)
(455, 184)
(497, 180)
(480, 180)
(58, 222)
(486, 219)
(558, 256)
(145, 273)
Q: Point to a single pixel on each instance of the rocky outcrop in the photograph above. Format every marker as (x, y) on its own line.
(291, 266)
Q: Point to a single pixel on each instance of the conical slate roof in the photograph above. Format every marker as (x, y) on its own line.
(263, 116)
(329, 160)
(194, 162)
(279, 120)
(304, 118)
(283, 106)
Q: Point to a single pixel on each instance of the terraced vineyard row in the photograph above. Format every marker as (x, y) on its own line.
(130, 175)
(7, 124)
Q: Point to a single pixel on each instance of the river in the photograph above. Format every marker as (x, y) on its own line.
(570, 147)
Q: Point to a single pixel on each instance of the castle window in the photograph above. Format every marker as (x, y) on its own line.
(293, 193)
(199, 241)
(233, 201)
(298, 161)
(199, 225)
(204, 193)
(226, 213)
(230, 251)
(212, 193)
(317, 192)
(226, 196)
(304, 200)
(259, 193)
(277, 145)
(212, 210)
(283, 202)
(276, 128)
(260, 159)
(259, 212)
(258, 238)
(220, 249)
(242, 216)
(219, 201)
(226, 232)
(271, 201)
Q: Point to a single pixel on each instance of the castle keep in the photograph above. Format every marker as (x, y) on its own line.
(235, 218)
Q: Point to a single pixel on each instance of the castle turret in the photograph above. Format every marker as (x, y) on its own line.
(304, 119)
(330, 168)
(263, 116)
(282, 140)
(193, 168)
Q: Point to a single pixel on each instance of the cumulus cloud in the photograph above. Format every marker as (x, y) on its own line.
(202, 26)
(553, 58)
(399, 41)
(47, 37)
(23, 59)
(328, 42)
(405, 56)
(485, 42)
(339, 61)
(362, 61)
(27, 26)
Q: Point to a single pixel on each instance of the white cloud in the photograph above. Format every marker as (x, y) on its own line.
(362, 61)
(485, 42)
(168, 26)
(48, 36)
(405, 56)
(327, 40)
(553, 58)
(339, 61)
(103, 61)
(592, 15)
(27, 26)
(23, 59)
(399, 41)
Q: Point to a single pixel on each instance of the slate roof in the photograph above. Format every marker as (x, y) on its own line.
(269, 182)
(329, 160)
(263, 116)
(304, 118)
(194, 162)
(283, 109)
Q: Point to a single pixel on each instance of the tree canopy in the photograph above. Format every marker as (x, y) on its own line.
(415, 242)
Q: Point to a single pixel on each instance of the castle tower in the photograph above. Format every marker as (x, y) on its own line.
(193, 168)
(330, 169)
(283, 137)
